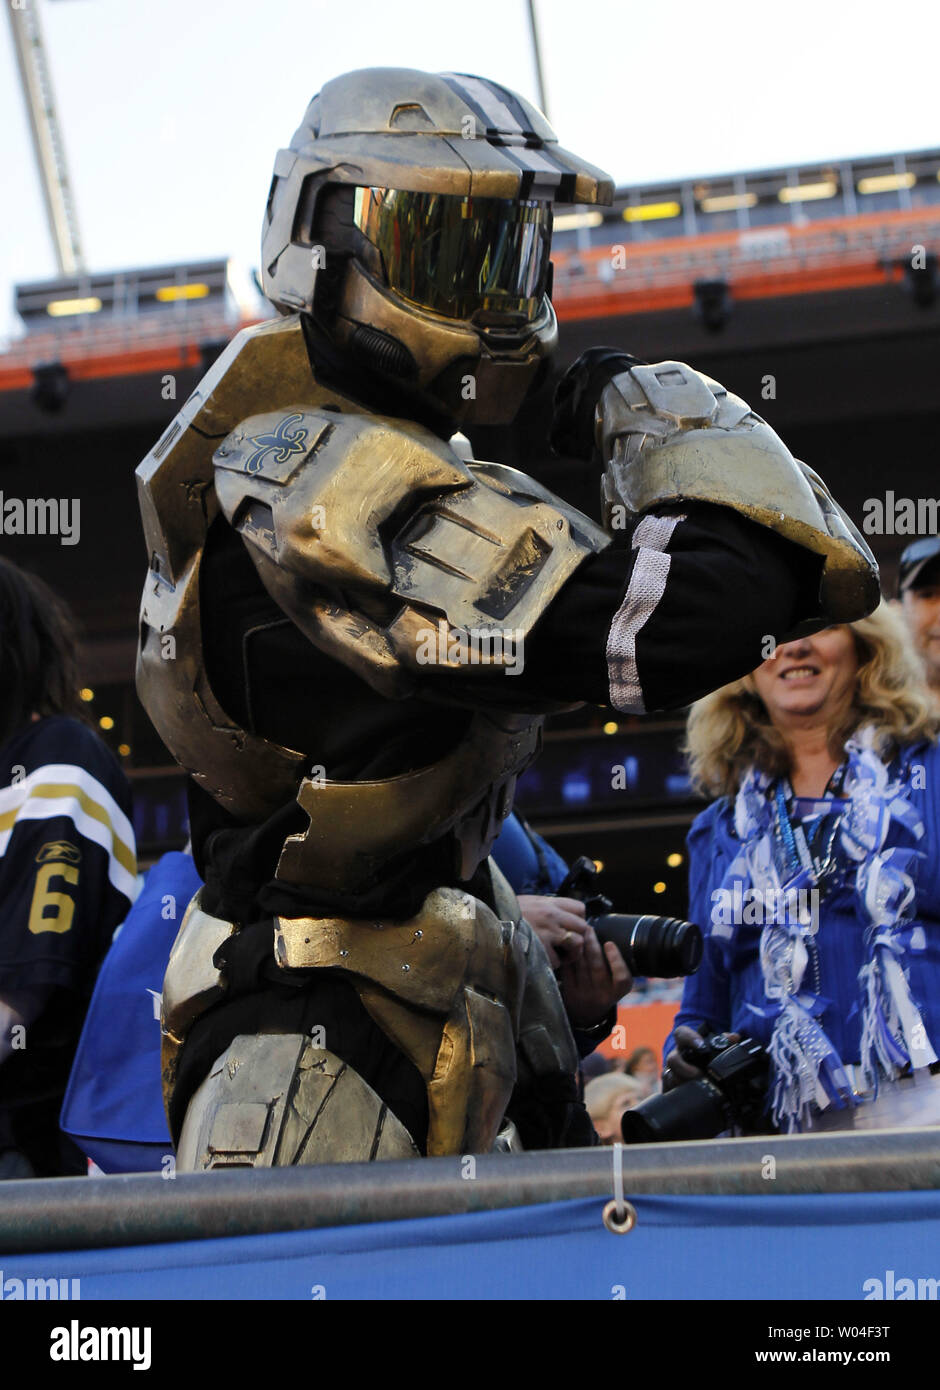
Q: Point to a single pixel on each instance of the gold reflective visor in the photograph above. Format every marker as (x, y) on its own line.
(460, 256)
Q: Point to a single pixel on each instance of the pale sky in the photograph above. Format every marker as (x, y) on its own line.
(172, 111)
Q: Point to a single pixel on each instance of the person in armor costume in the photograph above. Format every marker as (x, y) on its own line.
(351, 633)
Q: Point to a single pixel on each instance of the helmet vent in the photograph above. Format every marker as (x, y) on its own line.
(380, 352)
(410, 117)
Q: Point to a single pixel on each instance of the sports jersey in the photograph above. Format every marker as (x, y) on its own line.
(68, 874)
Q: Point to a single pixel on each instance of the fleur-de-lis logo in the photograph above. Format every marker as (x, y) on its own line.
(279, 441)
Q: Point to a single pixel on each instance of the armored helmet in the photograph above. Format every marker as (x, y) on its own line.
(410, 218)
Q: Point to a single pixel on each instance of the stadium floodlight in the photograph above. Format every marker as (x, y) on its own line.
(886, 183)
(808, 192)
(61, 308)
(651, 212)
(728, 202)
(166, 294)
(571, 221)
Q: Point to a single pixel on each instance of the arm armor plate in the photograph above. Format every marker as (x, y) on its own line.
(670, 434)
(390, 553)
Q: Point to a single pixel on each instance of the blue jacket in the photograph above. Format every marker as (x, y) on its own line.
(528, 861)
(728, 987)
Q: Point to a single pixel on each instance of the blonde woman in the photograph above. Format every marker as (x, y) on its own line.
(606, 1100)
(816, 878)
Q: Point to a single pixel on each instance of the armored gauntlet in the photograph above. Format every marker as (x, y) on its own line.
(669, 434)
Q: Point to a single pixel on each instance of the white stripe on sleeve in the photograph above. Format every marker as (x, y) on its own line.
(646, 588)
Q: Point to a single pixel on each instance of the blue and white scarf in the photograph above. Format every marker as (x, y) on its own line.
(807, 1068)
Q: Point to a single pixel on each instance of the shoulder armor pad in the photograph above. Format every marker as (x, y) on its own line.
(174, 481)
(671, 434)
(383, 546)
(261, 367)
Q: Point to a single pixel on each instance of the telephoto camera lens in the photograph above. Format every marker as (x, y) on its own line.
(695, 1111)
(660, 946)
(731, 1091)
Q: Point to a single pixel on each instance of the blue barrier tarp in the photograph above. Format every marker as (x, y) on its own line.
(848, 1246)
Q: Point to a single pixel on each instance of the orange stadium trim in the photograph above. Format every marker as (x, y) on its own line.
(110, 365)
(98, 355)
(614, 304)
(761, 262)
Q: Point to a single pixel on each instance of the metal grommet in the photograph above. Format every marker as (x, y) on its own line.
(619, 1222)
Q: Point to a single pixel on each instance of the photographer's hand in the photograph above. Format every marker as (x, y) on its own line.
(678, 1066)
(558, 923)
(593, 982)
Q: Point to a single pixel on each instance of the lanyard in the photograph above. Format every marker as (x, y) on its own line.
(795, 847)
(800, 859)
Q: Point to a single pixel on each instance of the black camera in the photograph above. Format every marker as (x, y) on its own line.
(660, 946)
(733, 1091)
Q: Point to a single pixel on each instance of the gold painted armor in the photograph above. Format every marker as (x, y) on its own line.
(430, 544)
(444, 134)
(371, 534)
(474, 545)
(468, 996)
(276, 1099)
(668, 433)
